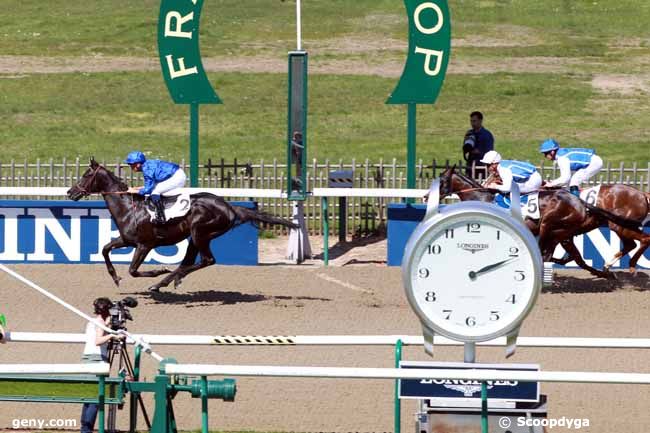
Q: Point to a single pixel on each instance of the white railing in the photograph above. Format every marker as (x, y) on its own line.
(400, 373)
(99, 368)
(335, 340)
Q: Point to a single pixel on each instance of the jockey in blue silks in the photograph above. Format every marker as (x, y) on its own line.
(523, 173)
(159, 177)
(583, 163)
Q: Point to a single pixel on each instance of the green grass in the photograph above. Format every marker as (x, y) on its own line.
(108, 114)
(20, 388)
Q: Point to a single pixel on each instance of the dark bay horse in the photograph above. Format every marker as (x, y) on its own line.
(562, 216)
(209, 217)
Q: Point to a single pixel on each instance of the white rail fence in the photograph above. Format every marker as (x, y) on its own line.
(365, 214)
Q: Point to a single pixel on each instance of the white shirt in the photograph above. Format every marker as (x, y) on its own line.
(564, 164)
(91, 348)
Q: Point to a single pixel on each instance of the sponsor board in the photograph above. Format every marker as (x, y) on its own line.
(75, 232)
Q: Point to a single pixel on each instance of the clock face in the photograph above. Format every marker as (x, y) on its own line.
(472, 276)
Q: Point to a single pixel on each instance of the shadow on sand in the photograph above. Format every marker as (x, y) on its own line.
(208, 297)
(639, 282)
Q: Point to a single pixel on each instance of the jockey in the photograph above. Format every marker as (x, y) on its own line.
(523, 173)
(583, 163)
(159, 177)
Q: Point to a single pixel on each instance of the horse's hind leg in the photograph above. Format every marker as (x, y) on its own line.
(141, 252)
(628, 245)
(571, 248)
(115, 243)
(188, 266)
(642, 249)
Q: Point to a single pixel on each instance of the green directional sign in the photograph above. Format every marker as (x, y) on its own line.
(428, 55)
(180, 58)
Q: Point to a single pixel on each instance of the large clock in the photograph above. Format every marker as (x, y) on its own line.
(472, 272)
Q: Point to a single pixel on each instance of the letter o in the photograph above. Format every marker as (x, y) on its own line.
(438, 11)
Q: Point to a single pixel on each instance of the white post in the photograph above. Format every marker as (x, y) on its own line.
(298, 26)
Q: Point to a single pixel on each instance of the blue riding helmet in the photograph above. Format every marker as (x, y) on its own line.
(135, 157)
(549, 146)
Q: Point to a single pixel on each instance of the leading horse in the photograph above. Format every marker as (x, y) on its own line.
(562, 216)
(209, 217)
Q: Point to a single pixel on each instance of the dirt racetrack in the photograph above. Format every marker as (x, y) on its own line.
(356, 299)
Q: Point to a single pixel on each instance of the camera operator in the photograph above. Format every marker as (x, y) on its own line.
(96, 350)
(477, 142)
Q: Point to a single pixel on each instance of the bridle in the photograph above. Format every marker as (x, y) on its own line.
(92, 179)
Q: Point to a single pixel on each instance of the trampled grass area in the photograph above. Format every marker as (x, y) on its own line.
(108, 114)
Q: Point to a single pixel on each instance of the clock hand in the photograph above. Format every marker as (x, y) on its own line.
(474, 274)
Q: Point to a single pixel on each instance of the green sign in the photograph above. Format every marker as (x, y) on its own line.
(428, 55)
(180, 58)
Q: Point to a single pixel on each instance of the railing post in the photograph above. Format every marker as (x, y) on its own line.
(101, 405)
(398, 403)
(326, 232)
(204, 404)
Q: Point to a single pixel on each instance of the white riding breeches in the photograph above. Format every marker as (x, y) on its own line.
(533, 183)
(177, 180)
(584, 174)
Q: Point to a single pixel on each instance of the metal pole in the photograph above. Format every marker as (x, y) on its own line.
(343, 204)
(194, 145)
(133, 403)
(204, 404)
(298, 26)
(484, 408)
(326, 232)
(101, 398)
(411, 148)
(398, 402)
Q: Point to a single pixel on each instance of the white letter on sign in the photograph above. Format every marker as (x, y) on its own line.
(181, 71)
(438, 11)
(11, 234)
(179, 20)
(70, 245)
(427, 63)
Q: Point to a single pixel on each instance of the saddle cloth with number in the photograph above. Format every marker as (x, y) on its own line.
(529, 204)
(590, 195)
(175, 206)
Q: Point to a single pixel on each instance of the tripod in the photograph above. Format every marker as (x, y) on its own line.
(117, 348)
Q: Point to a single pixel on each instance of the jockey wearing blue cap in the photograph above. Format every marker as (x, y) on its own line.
(523, 173)
(583, 163)
(159, 177)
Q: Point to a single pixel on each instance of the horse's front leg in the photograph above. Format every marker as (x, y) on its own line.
(141, 252)
(114, 244)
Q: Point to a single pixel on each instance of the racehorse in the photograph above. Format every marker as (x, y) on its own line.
(562, 216)
(631, 204)
(209, 216)
(628, 203)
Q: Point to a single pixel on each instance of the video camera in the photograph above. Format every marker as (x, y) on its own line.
(120, 312)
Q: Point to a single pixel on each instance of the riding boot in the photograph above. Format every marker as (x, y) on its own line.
(160, 210)
(575, 191)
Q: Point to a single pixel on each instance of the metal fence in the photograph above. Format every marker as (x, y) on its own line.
(364, 215)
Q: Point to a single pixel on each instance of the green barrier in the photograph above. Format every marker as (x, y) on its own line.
(93, 389)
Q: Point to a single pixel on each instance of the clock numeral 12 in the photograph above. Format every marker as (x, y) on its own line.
(473, 228)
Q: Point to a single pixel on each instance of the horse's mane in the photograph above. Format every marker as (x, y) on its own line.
(121, 183)
(468, 179)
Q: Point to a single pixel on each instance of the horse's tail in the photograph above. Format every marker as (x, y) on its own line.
(623, 222)
(250, 215)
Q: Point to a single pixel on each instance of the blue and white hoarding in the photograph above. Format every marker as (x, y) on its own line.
(75, 232)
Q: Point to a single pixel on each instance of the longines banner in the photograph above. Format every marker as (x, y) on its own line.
(75, 232)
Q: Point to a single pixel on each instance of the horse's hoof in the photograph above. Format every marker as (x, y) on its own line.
(177, 282)
(154, 289)
(166, 271)
(633, 271)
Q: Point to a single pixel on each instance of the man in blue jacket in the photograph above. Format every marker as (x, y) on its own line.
(159, 177)
(577, 165)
